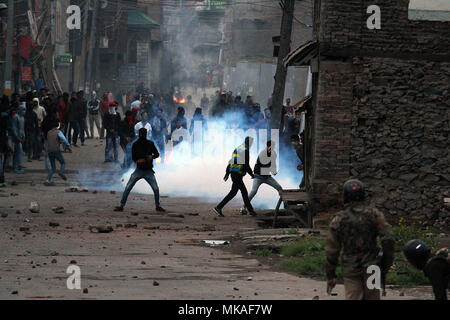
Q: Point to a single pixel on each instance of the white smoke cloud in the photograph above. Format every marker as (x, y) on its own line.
(197, 175)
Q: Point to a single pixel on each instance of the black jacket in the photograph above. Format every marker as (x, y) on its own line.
(111, 122)
(141, 149)
(259, 164)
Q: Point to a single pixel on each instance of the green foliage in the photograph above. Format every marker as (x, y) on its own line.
(265, 252)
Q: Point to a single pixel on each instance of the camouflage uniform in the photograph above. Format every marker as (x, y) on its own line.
(355, 229)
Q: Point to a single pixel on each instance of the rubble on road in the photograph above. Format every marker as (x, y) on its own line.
(175, 215)
(34, 207)
(76, 189)
(4, 215)
(53, 224)
(215, 243)
(101, 229)
(58, 210)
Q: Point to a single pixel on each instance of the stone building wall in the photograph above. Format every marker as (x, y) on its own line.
(382, 109)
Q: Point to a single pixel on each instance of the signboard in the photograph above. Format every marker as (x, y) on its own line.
(64, 60)
(27, 74)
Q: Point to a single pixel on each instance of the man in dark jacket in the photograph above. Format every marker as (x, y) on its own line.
(111, 123)
(31, 131)
(73, 116)
(144, 152)
(238, 167)
(83, 116)
(4, 108)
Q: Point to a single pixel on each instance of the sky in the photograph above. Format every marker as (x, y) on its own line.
(433, 5)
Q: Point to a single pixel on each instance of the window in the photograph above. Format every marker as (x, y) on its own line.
(429, 10)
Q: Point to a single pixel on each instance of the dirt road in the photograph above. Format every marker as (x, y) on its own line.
(147, 256)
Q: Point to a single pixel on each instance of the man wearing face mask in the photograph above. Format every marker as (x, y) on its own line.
(111, 123)
(144, 152)
(298, 147)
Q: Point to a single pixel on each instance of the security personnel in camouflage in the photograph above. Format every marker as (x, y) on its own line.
(355, 230)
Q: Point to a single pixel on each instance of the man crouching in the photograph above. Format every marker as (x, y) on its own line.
(143, 153)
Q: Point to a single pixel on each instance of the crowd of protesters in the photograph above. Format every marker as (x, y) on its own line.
(27, 120)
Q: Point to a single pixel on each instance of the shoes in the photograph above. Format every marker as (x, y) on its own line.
(82, 144)
(108, 160)
(49, 183)
(218, 212)
(243, 211)
(62, 176)
(76, 146)
(253, 213)
(160, 209)
(118, 209)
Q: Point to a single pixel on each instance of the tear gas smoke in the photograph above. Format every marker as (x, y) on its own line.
(197, 169)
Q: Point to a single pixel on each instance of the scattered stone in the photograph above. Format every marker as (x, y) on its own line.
(119, 225)
(143, 262)
(4, 215)
(131, 226)
(112, 192)
(193, 214)
(155, 283)
(165, 253)
(58, 210)
(249, 279)
(256, 293)
(85, 290)
(54, 254)
(73, 262)
(14, 183)
(134, 214)
(77, 189)
(235, 289)
(401, 294)
(18, 212)
(34, 207)
(94, 192)
(101, 229)
(14, 194)
(54, 261)
(54, 224)
(24, 229)
(15, 292)
(316, 298)
(175, 215)
(26, 220)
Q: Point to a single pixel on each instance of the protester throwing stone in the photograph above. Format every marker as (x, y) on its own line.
(143, 153)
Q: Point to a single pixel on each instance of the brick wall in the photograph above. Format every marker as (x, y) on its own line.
(343, 26)
(382, 109)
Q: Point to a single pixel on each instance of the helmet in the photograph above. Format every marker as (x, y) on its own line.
(417, 253)
(353, 191)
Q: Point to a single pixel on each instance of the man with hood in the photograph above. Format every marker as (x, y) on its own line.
(31, 132)
(41, 113)
(94, 114)
(143, 153)
(179, 117)
(111, 122)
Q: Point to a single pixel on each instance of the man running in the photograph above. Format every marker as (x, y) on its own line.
(263, 168)
(144, 152)
(238, 167)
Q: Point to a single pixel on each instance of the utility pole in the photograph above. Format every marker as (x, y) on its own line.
(7, 75)
(92, 41)
(116, 44)
(82, 72)
(285, 47)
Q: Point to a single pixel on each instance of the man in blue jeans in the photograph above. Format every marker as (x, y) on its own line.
(54, 138)
(143, 153)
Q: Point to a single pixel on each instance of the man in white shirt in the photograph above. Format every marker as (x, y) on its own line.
(144, 123)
